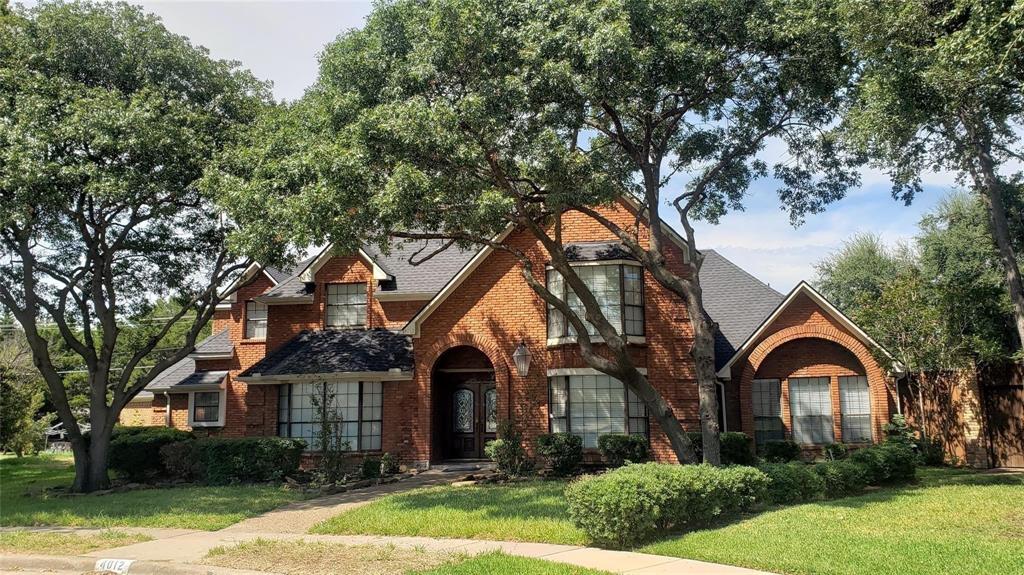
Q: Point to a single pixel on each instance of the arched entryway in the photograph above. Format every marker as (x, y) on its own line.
(465, 404)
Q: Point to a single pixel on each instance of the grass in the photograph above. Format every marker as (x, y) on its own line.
(953, 521)
(35, 542)
(300, 557)
(533, 511)
(23, 503)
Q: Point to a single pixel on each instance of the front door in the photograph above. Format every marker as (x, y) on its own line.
(472, 419)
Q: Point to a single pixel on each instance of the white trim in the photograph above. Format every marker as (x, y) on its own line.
(724, 424)
(402, 296)
(212, 355)
(805, 288)
(283, 300)
(391, 375)
(309, 273)
(559, 371)
(585, 263)
(222, 404)
(571, 340)
(413, 327)
(249, 271)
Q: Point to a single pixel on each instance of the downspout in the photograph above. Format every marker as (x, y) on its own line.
(167, 409)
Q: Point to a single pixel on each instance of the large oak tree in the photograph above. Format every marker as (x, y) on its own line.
(107, 120)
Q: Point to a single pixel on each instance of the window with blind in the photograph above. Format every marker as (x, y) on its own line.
(618, 289)
(255, 320)
(206, 406)
(811, 408)
(353, 408)
(346, 305)
(767, 404)
(592, 405)
(855, 407)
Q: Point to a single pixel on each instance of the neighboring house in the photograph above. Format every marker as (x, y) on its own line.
(421, 360)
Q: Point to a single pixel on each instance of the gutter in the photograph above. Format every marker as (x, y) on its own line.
(167, 410)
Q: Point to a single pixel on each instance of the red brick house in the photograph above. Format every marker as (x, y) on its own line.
(419, 360)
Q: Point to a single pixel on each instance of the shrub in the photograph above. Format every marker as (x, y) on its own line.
(179, 460)
(628, 505)
(388, 464)
(899, 431)
(619, 448)
(835, 451)
(507, 452)
(931, 452)
(370, 468)
(135, 451)
(792, 482)
(900, 460)
(841, 478)
(780, 451)
(562, 451)
(734, 447)
(221, 461)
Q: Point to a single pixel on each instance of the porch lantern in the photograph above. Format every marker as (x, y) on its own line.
(522, 357)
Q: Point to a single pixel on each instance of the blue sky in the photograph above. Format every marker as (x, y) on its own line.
(280, 41)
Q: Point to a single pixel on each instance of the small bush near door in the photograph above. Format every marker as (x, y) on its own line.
(629, 505)
(617, 449)
(507, 452)
(780, 451)
(562, 452)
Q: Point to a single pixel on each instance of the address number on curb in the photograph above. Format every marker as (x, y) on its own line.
(119, 566)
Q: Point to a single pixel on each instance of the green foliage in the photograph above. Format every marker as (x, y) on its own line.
(223, 461)
(780, 451)
(841, 478)
(21, 396)
(135, 451)
(886, 463)
(369, 468)
(332, 464)
(857, 272)
(835, 451)
(388, 465)
(507, 451)
(735, 447)
(617, 449)
(563, 452)
(931, 452)
(630, 504)
(179, 461)
(899, 431)
(793, 482)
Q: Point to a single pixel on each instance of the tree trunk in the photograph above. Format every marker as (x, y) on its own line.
(703, 354)
(80, 450)
(993, 198)
(920, 404)
(99, 451)
(662, 413)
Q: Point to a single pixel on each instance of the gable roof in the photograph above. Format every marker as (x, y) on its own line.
(804, 288)
(217, 346)
(357, 352)
(734, 299)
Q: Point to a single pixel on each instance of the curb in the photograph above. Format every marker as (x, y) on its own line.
(86, 564)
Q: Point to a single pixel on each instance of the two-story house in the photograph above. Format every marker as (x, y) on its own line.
(424, 361)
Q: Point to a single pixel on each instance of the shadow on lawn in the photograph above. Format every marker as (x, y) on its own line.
(534, 500)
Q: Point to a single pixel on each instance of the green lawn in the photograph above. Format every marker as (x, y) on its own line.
(951, 521)
(210, 508)
(533, 511)
(64, 543)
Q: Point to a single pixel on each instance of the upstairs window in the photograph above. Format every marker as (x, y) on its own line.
(255, 320)
(855, 407)
(618, 289)
(346, 305)
(811, 404)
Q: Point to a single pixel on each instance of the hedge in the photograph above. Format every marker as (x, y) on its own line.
(780, 451)
(563, 452)
(135, 451)
(221, 461)
(734, 447)
(886, 463)
(619, 448)
(792, 482)
(628, 505)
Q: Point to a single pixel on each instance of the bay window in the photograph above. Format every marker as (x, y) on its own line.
(592, 405)
(618, 289)
(353, 408)
(811, 406)
(855, 408)
(346, 305)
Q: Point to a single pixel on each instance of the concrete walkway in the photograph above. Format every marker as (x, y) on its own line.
(300, 516)
(180, 548)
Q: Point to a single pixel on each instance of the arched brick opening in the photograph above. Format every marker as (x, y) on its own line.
(813, 351)
(468, 365)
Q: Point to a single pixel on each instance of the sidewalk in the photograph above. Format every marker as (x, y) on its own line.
(179, 549)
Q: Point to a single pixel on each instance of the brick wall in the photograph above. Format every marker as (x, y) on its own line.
(494, 310)
(806, 341)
